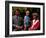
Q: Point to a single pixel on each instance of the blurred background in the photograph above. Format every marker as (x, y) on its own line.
(23, 9)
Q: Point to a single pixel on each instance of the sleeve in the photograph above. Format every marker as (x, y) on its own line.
(24, 23)
(36, 26)
(24, 19)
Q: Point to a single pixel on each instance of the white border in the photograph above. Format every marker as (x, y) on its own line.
(25, 32)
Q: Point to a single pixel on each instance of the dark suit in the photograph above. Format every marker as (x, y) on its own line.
(15, 21)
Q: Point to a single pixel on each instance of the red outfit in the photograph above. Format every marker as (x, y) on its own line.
(35, 25)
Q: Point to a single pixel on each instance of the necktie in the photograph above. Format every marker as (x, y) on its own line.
(17, 18)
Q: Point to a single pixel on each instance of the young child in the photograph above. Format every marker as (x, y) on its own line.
(26, 20)
(35, 22)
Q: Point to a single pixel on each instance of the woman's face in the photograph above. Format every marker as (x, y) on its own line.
(34, 16)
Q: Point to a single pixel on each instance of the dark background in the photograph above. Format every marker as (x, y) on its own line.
(23, 9)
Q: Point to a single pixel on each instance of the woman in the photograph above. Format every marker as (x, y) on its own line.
(35, 24)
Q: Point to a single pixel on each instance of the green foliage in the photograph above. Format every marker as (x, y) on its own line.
(22, 10)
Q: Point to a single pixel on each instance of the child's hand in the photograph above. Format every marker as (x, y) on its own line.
(21, 27)
(24, 27)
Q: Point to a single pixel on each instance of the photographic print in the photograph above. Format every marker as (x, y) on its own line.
(24, 18)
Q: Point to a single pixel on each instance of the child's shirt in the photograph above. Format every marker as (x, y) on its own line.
(26, 20)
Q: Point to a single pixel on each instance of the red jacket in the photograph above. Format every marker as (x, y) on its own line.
(35, 26)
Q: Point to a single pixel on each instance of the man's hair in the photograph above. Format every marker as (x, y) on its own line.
(17, 10)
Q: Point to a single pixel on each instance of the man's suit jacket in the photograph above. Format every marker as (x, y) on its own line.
(15, 20)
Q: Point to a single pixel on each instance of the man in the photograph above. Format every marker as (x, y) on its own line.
(15, 19)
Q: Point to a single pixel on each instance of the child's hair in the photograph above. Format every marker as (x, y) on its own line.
(27, 12)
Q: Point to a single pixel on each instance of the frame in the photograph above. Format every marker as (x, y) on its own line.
(9, 4)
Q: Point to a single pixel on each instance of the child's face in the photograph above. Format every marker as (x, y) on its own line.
(27, 13)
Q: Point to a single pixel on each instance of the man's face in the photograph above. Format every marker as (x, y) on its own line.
(17, 13)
